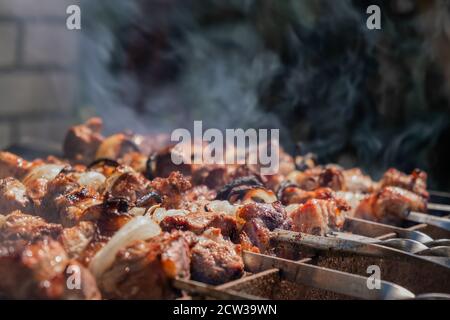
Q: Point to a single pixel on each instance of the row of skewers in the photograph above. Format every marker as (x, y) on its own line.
(139, 226)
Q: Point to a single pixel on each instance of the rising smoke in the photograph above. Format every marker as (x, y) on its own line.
(307, 67)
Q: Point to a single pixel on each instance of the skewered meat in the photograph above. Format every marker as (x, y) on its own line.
(37, 179)
(216, 260)
(82, 141)
(198, 223)
(42, 270)
(128, 185)
(76, 239)
(318, 177)
(13, 196)
(292, 194)
(415, 182)
(66, 201)
(171, 189)
(19, 226)
(144, 269)
(317, 216)
(258, 220)
(356, 181)
(389, 205)
(138, 232)
(12, 165)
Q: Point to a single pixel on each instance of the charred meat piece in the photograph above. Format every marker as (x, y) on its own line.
(13, 196)
(76, 239)
(356, 181)
(19, 226)
(216, 260)
(200, 222)
(258, 220)
(292, 194)
(213, 176)
(171, 189)
(333, 178)
(13, 166)
(390, 204)
(415, 182)
(130, 186)
(144, 269)
(66, 201)
(116, 146)
(82, 141)
(318, 216)
(160, 164)
(42, 270)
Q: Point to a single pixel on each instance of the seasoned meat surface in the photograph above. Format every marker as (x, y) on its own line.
(144, 269)
(258, 220)
(42, 270)
(216, 260)
(82, 141)
(12, 165)
(13, 196)
(415, 182)
(19, 226)
(317, 216)
(200, 222)
(389, 205)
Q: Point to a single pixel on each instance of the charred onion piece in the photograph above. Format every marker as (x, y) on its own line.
(143, 201)
(116, 146)
(103, 161)
(150, 167)
(245, 182)
(283, 186)
(116, 205)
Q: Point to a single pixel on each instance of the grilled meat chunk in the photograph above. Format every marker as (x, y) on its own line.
(216, 260)
(12, 165)
(66, 201)
(13, 196)
(317, 216)
(200, 222)
(75, 240)
(82, 141)
(415, 182)
(19, 226)
(130, 186)
(144, 269)
(356, 181)
(319, 177)
(258, 220)
(42, 270)
(171, 189)
(389, 205)
(292, 194)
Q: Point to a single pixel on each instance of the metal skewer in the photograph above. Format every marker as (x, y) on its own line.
(333, 244)
(327, 279)
(372, 229)
(438, 207)
(442, 223)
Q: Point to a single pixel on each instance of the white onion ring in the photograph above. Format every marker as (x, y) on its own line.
(138, 228)
(47, 172)
(92, 179)
(160, 213)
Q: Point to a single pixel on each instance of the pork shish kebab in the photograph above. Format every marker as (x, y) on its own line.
(92, 203)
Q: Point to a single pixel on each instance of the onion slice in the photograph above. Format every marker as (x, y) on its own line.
(47, 172)
(138, 228)
(92, 179)
(160, 213)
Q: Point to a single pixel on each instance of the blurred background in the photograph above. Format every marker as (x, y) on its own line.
(357, 97)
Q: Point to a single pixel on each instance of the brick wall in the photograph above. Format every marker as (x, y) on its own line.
(38, 70)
